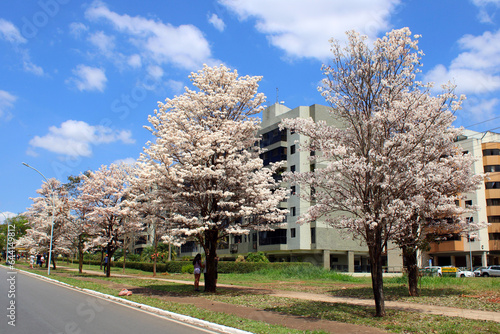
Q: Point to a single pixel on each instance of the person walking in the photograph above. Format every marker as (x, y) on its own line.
(197, 271)
(32, 260)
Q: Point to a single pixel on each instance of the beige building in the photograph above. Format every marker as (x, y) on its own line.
(485, 248)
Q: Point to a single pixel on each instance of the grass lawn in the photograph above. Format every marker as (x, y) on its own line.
(470, 293)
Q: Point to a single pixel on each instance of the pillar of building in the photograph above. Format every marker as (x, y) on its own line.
(467, 261)
(453, 260)
(326, 259)
(484, 259)
(350, 261)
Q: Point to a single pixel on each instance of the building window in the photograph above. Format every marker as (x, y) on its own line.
(313, 235)
(313, 167)
(492, 185)
(292, 232)
(492, 168)
(292, 168)
(293, 190)
(494, 236)
(276, 237)
(292, 149)
(292, 211)
(237, 239)
(493, 151)
(468, 203)
(493, 219)
(493, 201)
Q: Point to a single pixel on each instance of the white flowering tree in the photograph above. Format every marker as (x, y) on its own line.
(390, 151)
(78, 225)
(51, 206)
(103, 193)
(204, 165)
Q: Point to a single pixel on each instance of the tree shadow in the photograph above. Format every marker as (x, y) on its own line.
(394, 293)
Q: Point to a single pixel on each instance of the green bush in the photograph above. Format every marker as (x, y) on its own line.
(257, 257)
(187, 268)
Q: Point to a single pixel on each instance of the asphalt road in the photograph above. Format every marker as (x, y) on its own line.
(36, 306)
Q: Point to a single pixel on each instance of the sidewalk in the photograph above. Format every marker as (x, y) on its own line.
(413, 307)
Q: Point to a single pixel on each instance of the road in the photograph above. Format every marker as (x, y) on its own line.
(36, 306)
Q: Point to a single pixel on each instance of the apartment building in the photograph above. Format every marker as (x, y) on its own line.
(318, 242)
(483, 249)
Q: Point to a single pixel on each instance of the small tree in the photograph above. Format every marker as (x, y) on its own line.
(204, 166)
(387, 141)
(103, 193)
(52, 207)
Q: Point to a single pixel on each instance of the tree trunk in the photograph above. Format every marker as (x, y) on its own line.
(53, 260)
(211, 237)
(155, 251)
(110, 252)
(375, 251)
(80, 254)
(410, 262)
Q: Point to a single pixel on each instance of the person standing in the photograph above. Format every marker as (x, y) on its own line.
(32, 260)
(106, 260)
(197, 271)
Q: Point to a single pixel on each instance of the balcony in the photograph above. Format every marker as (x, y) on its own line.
(447, 246)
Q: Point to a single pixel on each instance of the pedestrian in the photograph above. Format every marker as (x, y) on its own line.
(39, 260)
(197, 271)
(32, 260)
(42, 261)
(106, 259)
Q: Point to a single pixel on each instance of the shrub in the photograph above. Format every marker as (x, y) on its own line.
(257, 257)
(188, 268)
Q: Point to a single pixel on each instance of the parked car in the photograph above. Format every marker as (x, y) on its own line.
(477, 271)
(491, 271)
(432, 271)
(465, 273)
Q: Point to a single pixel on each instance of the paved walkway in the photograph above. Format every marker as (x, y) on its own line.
(414, 307)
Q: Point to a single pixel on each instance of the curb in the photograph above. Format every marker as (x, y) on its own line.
(155, 310)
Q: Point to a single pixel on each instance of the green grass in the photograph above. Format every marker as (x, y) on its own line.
(467, 293)
(185, 309)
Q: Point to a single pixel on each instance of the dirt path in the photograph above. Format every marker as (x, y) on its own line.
(296, 322)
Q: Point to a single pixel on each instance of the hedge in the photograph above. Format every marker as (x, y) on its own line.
(224, 267)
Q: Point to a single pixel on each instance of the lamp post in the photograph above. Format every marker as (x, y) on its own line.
(53, 212)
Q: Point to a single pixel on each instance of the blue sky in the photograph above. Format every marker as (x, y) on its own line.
(79, 79)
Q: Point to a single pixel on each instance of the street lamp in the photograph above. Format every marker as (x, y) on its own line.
(53, 212)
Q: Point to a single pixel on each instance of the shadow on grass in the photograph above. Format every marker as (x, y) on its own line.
(394, 293)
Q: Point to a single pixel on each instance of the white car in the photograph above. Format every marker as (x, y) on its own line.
(465, 273)
(477, 271)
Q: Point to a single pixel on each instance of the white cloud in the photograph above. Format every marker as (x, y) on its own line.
(77, 29)
(135, 61)
(75, 138)
(477, 69)
(183, 46)
(216, 22)
(103, 42)
(6, 102)
(485, 7)
(303, 28)
(155, 71)
(176, 86)
(481, 108)
(10, 33)
(89, 78)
